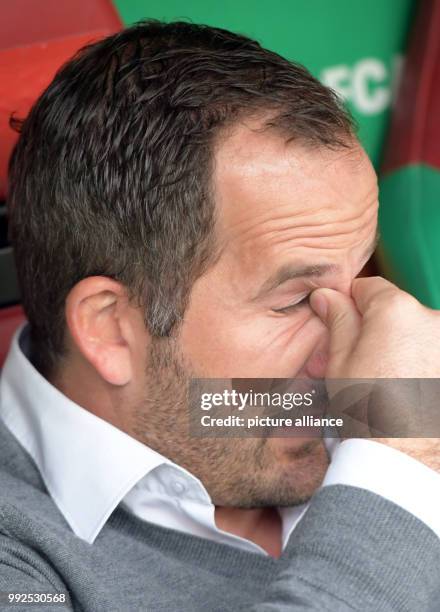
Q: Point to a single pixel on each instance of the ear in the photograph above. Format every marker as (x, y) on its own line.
(104, 327)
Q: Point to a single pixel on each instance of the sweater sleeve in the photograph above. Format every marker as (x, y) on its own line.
(355, 550)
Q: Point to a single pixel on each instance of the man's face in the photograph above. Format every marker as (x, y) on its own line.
(290, 219)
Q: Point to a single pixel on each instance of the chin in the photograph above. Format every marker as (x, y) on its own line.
(290, 447)
(301, 464)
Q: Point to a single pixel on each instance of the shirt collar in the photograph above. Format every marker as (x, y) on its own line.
(87, 464)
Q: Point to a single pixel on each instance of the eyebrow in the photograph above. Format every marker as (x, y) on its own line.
(291, 271)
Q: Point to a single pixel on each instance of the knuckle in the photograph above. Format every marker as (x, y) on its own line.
(395, 303)
(401, 300)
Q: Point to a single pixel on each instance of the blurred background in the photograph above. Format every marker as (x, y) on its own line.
(381, 56)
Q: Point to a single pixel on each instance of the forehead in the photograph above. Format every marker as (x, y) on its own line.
(272, 195)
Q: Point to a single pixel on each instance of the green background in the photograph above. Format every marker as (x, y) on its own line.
(352, 45)
(409, 218)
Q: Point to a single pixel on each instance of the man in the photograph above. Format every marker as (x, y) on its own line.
(184, 204)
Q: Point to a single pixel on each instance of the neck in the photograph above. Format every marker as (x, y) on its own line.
(259, 525)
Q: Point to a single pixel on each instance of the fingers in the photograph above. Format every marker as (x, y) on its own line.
(338, 312)
(368, 289)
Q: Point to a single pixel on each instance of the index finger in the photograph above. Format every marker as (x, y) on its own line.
(366, 290)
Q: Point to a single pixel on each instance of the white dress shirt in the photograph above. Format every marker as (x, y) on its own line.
(90, 467)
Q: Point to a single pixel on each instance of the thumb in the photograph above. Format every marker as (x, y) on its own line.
(339, 313)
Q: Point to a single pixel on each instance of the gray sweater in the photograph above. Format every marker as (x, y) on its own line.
(353, 550)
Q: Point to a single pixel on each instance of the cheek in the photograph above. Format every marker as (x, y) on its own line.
(292, 343)
(256, 346)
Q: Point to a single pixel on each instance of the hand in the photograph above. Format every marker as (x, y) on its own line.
(382, 332)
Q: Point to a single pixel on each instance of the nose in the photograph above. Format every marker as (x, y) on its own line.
(345, 286)
(316, 363)
(316, 366)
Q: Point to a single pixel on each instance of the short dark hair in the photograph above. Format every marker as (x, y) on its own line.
(111, 173)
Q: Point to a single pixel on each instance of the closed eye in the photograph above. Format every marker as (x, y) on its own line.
(293, 307)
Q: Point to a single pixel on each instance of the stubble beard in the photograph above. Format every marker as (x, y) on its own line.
(236, 472)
